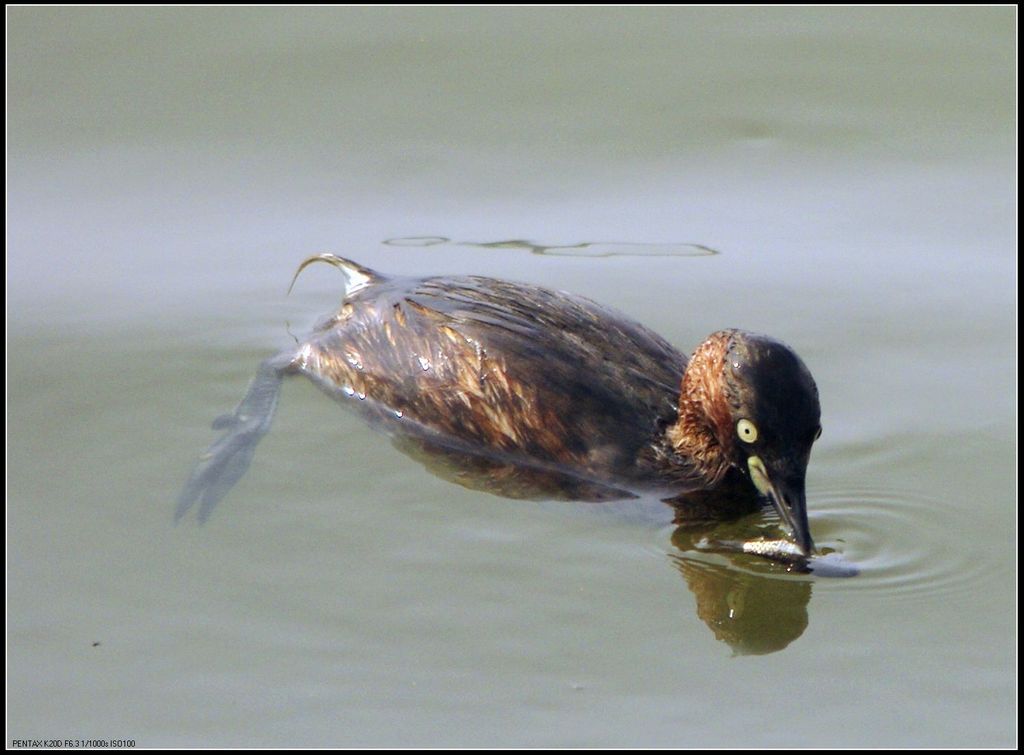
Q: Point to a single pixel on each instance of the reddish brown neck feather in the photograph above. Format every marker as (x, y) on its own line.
(704, 416)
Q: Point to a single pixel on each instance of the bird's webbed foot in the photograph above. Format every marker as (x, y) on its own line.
(226, 460)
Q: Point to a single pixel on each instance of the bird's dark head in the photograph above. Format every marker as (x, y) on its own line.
(762, 403)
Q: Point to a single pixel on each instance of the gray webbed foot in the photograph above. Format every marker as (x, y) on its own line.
(227, 459)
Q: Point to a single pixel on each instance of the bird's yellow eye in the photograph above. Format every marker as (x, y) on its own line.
(747, 430)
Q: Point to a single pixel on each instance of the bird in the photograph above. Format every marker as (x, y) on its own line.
(537, 392)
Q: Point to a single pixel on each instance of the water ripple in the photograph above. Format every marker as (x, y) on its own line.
(903, 544)
(582, 249)
(906, 544)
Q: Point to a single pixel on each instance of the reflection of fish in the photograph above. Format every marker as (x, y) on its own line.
(535, 383)
(777, 550)
(826, 565)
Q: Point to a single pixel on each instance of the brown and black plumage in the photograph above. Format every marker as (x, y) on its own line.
(529, 392)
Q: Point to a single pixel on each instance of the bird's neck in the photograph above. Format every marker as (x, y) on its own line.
(703, 407)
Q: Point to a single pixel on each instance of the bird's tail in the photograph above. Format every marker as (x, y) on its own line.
(357, 277)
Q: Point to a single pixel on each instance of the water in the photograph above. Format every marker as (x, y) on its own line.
(853, 171)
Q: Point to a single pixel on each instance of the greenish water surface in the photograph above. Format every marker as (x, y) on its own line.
(852, 169)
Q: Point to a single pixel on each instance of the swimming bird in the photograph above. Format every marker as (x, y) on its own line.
(549, 390)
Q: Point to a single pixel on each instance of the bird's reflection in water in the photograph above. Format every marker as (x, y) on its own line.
(754, 604)
(753, 614)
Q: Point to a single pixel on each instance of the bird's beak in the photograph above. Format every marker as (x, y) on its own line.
(789, 499)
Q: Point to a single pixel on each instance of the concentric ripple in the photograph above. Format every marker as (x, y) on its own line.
(905, 544)
(901, 544)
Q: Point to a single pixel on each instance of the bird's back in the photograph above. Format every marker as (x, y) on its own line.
(502, 367)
